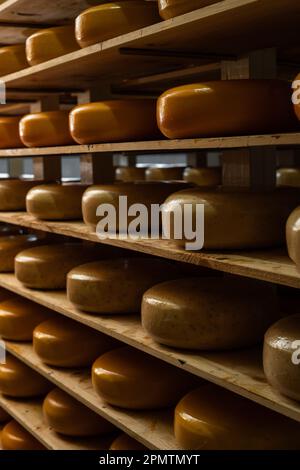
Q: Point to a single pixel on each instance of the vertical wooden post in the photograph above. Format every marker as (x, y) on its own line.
(197, 159)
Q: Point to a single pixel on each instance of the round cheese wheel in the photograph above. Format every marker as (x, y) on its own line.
(116, 286)
(134, 380)
(13, 193)
(62, 342)
(203, 176)
(146, 193)
(125, 442)
(235, 219)
(12, 59)
(67, 416)
(209, 313)
(130, 174)
(45, 129)
(114, 121)
(9, 132)
(11, 246)
(19, 317)
(288, 177)
(47, 44)
(281, 356)
(4, 416)
(170, 8)
(163, 174)
(20, 381)
(46, 267)
(293, 236)
(113, 19)
(15, 437)
(217, 108)
(55, 201)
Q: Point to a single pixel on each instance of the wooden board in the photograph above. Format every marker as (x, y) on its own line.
(14, 34)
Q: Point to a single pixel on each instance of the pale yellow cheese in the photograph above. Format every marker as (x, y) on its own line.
(288, 177)
(163, 174)
(13, 193)
(129, 175)
(208, 177)
(125, 442)
(12, 59)
(11, 246)
(9, 132)
(44, 129)
(15, 437)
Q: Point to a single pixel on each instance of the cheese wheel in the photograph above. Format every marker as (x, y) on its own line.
(211, 418)
(170, 8)
(113, 19)
(146, 193)
(129, 174)
(209, 313)
(288, 177)
(116, 286)
(45, 129)
(18, 380)
(4, 416)
(281, 356)
(13, 193)
(11, 246)
(55, 201)
(9, 132)
(125, 442)
(62, 342)
(293, 237)
(114, 121)
(225, 108)
(15, 437)
(46, 267)
(163, 174)
(19, 317)
(12, 59)
(235, 219)
(47, 44)
(134, 380)
(203, 176)
(67, 416)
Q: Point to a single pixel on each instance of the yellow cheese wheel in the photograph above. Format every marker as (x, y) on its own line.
(224, 108)
(15, 437)
(288, 177)
(9, 132)
(130, 174)
(163, 174)
(63, 342)
(209, 313)
(69, 417)
(281, 356)
(211, 418)
(134, 380)
(19, 317)
(236, 219)
(55, 201)
(12, 59)
(293, 237)
(170, 8)
(114, 121)
(4, 416)
(18, 380)
(113, 19)
(11, 246)
(45, 129)
(13, 193)
(47, 44)
(203, 176)
(46, 267)
(125, 442)
(146, 193)
(116, 286)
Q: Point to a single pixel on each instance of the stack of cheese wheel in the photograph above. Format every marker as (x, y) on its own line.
(19, 381)
(209, 313)
(19, 317)
(4, 416)
(281, 357)
(211, 418)
(125, 442)
(129, 174)
(67, 416)
(114, 121)
(288, 177)
(15, 437)
(11, 246)
(62, 342)
(116, 286)
(56, 201)
(12, 59)
(46, 267)
(203, 176)
(293, 236)
(13, 193)
(170, 8)
(107, 21)
(47, 44)
(134, 380)
(225, 108)
(9, 132)
(45, 129)
(164, 174)
(234, 219)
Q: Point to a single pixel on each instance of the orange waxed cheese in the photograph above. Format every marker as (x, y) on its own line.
(15, 437)
(45, 129)
(171, 8)
(9, 132)
(125, 442)
(11, 246)
(13, 193)
(12, 59)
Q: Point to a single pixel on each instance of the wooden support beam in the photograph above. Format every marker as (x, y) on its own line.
(97, 168)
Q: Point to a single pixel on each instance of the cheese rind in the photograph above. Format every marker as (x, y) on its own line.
(107, 21)
(125, 442)
(163, 174)
(45, 129)
(62, 342)
(15, 437)
(13, 193)
(11, 246)
(171, 8)
(208, 177)
(288, 177)
(47, 44)
(12, 59)
(9, 132)
(293, 236)
(130, 175)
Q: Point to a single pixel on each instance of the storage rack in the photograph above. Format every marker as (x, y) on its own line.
(215, 41)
